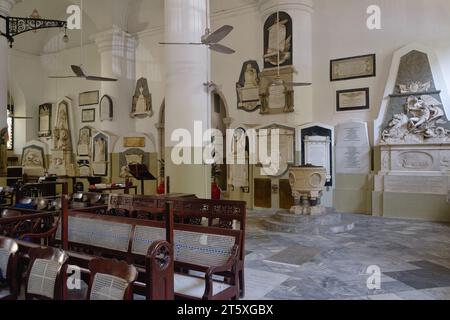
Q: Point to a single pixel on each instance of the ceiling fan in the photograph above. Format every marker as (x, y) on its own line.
(80, 73)
(210, 39)
(78, 69)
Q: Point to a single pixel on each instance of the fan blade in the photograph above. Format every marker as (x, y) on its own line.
(217, 35)
(78, 71)
(94, 78)
(221, 49)
(182, 43)
(62, 77)
(21, 118)
(299, 84)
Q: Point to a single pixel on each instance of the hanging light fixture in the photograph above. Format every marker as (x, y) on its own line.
(18, 25)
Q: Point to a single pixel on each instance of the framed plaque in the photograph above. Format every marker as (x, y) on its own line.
(354, 99)
(353, 68)
(88, 115)
(89, 98)
(134, 142)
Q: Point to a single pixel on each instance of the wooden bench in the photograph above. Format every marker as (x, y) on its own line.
(17, 223)
(210, 251)
(221, 214)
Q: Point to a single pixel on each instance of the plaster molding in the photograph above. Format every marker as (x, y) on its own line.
(108, 40)
(7, 5)
(267, 7)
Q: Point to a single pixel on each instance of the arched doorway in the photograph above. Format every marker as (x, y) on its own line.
(220, 121)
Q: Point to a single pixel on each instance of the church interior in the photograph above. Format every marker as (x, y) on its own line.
(224, 150)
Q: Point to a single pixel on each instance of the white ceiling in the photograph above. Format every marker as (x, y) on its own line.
(99, 15)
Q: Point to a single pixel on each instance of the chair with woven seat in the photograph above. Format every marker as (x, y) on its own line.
(45, 274)
(111, 280)
(8, 266)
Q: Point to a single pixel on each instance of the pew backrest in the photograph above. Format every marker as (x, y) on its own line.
(131, 238)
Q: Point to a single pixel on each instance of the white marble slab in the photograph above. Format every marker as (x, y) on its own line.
(353, 152)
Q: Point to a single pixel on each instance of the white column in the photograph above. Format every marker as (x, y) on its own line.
(301, 12)
(117, 51)
(187, 69)
(5, 9)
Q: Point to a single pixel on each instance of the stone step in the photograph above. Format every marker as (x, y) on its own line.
(324, 224)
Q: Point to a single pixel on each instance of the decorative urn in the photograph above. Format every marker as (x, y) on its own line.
(307, 184)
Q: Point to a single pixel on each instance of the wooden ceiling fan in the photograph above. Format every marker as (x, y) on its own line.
(210, 39)
(78, 69)
(80, 73)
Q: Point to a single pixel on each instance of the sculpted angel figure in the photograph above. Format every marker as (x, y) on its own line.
(424, 111)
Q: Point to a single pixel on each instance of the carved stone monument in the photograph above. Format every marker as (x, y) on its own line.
(278, 40)
(33, 159)
(100, 154)
(142, 100)
(286, 150)
(353, 152)
(61, 156)
(248, 87)
(413, 128)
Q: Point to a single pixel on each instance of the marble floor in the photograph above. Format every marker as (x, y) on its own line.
(413, 257)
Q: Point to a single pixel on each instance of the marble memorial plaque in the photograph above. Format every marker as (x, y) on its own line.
(316, 143)
(277, 96)
(250, 94)
(100, 168)
(417, 184)
(317, 152)
(352, 148)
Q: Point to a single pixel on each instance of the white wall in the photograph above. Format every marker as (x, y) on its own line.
(340, 31)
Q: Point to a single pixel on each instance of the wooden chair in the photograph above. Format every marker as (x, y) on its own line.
(8, 269)
(111, 280)
(45, 274)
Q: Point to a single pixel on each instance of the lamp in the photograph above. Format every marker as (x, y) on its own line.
(18, 25)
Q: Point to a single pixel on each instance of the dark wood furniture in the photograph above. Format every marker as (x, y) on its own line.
(9, 289)
(19, 223)
(45, 274)
(111, 280)
(187, 209)
(207, 250)
(126, 190)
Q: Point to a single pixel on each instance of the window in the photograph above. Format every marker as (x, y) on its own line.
(10, 121)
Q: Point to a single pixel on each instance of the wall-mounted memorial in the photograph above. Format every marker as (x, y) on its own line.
(413, 128)
(315, 142)
(142, 100)
(45, 120)
(247, 88)
(353, 151)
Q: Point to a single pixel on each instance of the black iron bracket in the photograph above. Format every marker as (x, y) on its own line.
(17, 25)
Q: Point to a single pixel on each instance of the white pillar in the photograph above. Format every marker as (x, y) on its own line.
(187, 69)
(5, 9)
(117, 51)
(301, 12)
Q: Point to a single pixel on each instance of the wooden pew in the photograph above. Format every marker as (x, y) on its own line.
(155, 282)
(18, 223)
(210, 251)
(222, 214)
